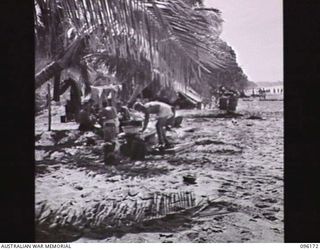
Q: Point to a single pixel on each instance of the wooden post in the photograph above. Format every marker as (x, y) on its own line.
(56, 86)
(49, 108)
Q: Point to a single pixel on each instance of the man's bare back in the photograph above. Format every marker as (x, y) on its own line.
(162, 110)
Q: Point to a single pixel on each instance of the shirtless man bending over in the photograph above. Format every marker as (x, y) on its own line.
(163, 113)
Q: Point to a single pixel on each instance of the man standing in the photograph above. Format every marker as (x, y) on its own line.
(163, 114)
(109, 121)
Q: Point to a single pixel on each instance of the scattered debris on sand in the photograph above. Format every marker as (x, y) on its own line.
(227, 186)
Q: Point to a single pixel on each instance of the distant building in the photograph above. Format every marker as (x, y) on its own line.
(274, 90)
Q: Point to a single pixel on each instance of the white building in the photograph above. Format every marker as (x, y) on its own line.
(274, 90)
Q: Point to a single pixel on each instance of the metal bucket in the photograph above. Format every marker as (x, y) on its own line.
(63, 119)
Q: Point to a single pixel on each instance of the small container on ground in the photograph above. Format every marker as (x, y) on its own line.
(63, 119)
(189, 179)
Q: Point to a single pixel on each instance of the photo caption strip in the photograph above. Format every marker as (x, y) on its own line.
(158, 246)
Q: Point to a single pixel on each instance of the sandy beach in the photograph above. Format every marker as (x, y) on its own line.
(237, 163)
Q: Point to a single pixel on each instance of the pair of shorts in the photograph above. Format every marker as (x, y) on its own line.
(165, 113)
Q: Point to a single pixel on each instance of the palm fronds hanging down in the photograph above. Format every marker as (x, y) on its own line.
(190, 30)
(170, 35)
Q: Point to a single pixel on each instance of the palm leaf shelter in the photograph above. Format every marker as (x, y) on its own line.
(162, 47)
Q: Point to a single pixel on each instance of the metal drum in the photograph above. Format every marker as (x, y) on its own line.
(223, 103)
(233, 102)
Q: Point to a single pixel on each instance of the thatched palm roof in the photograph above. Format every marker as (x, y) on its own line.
(173, 37)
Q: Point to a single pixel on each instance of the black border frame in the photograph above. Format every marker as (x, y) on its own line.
(302, 75)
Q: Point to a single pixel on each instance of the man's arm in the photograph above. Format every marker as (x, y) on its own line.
(173, 109)
(146, 120)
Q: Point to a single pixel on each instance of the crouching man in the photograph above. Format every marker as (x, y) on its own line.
(163, 112)
(86, 118)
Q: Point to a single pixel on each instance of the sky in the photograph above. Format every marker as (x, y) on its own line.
(254, 28)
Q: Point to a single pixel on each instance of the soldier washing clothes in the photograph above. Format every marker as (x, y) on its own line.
(163, 112)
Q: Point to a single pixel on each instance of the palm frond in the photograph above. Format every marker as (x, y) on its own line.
(170, 40)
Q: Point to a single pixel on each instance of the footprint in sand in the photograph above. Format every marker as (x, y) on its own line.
(261, 205)
(192, 235)
(245, 239)
(223, 191)
(269, 216)
(216, 230)
(269, 200)
(275, 209)
(218, 218)
(245, 194)
(246, 232)
(226, 184)
(276, 230)
(201, 240)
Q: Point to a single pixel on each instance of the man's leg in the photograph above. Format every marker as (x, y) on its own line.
(159, 131)
(170, 123)
(163, 122)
